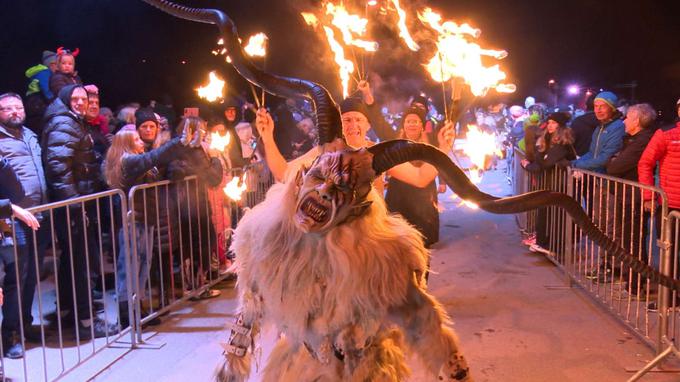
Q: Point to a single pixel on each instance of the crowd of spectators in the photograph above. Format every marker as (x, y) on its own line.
(623, 142)
(56, 144)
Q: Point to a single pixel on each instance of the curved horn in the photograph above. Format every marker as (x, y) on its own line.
(327, 113)
(389, 154)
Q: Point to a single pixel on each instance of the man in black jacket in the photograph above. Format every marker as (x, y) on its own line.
(626, 219)
(20, 148)
(72, 171)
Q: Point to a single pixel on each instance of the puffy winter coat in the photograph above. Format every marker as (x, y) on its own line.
(606, 141)
(624, 164)
(664, 147)
(71, 165)
(22, 151)
(10, 189)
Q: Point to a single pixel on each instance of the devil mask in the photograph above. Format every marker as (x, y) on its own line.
(333, 190)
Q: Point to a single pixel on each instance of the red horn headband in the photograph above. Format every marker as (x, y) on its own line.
(61, 51)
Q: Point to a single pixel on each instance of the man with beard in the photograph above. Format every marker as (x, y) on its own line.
(20, 148)
(72, 171)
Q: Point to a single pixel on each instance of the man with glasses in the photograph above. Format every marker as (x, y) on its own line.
(20, 148)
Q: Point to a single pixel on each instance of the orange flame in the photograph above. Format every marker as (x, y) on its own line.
(350, 25)
(310, 19)
(235, 188)
(403, 30)
(458, 57)
(218, 142)
(478, 147)
(345, 67)
(214, 90)
(257, 45)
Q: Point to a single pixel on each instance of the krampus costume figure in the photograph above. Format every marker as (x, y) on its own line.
(340, 278)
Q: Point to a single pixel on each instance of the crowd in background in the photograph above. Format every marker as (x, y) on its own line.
(58, 143)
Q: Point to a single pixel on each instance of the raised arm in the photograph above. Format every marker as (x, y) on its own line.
(276, 162)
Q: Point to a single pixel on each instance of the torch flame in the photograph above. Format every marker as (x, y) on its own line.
(257, 45)
(214, 90)
(346, 67)
(350, 25)
(458, 57)
(310, 19)
(235, 188)
(478, 146)
(218, 142)
(403, 30)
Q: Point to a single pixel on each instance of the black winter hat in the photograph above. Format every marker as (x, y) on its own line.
(417, 111)
(559, 117)
(66, 92)
(144, 114)
(353, 104)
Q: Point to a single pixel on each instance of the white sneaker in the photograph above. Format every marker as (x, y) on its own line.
(539, 249)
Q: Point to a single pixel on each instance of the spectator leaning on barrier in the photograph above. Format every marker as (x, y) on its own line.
(624, 202)
(127, 165)
(607, 137)
(209, 173)
(20, 148)
(72, 171)
(664, 149)
(554, 146)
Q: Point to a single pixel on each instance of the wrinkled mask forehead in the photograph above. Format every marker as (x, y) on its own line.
(334, 189)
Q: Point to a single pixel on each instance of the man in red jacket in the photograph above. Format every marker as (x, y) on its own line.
(664, 148)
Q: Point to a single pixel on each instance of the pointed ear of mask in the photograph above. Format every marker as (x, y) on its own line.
(300, 176)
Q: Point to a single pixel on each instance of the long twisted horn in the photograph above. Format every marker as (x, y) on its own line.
(389, 154)
(327, 113)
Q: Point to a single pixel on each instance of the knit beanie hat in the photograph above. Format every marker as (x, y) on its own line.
(353, 104)
(609, 98)
(144, 114)
(417, 111)
(420, 99)
(559, 117)
(48, 57)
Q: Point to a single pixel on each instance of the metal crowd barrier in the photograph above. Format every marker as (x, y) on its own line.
(649, 233)
(183, 230)
(50, 312)
(161, 232)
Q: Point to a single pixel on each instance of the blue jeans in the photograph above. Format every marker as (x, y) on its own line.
(143, 260)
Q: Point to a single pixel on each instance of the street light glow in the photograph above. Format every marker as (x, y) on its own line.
(573, 89)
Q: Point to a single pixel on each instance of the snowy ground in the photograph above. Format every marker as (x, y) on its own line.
(516, 318)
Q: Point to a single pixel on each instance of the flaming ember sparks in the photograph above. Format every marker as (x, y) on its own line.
(235, 188)
(257, 45)
(478, 147)
(218, 142)
(214, 90)
(346, 67)
(403, 30)
(458, 57)
(350, 25)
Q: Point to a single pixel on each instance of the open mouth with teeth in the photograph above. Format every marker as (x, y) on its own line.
(313, 211)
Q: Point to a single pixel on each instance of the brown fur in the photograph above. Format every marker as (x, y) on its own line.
(347, 287)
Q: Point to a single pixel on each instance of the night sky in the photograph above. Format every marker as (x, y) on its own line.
(133, 52)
